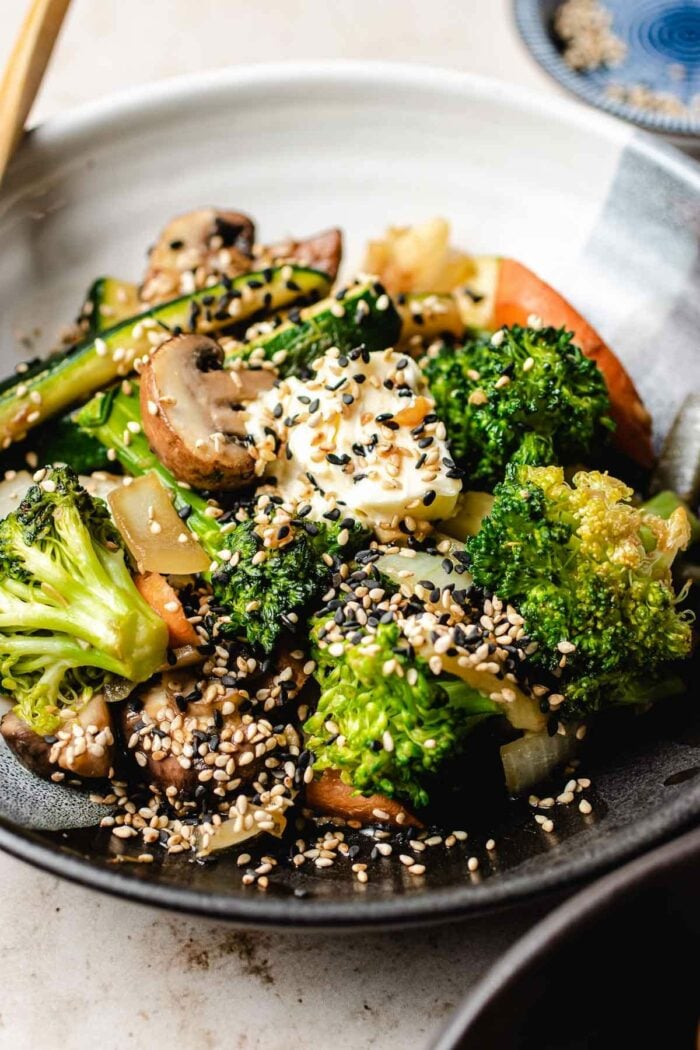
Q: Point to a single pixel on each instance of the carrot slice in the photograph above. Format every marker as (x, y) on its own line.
(521, 293)
(332, 796)
(161, 597)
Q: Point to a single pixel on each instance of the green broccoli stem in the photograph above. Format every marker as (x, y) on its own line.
(663, 505)
(108, 417)
(641, 692)
(35, 649)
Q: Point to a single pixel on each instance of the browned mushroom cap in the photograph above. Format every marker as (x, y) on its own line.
(188, 407)
(322, 252)
(194, 248)
(83, 746)
(208, 744)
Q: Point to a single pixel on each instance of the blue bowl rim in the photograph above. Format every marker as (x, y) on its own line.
(534, 33)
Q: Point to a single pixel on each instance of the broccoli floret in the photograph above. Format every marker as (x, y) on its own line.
(386, 731)
(528, 395)
(590, 574)
(260, 598)
(264, 589)
(70, 614)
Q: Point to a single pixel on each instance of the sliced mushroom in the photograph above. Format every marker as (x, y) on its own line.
(83, 746)
(196, 249)
(322, 252)
(188, 406)
(196, 746)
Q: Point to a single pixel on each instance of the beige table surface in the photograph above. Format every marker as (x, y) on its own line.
(79, 971)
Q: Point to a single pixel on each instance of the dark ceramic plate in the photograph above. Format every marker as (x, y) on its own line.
(613, 967)
(604, 213)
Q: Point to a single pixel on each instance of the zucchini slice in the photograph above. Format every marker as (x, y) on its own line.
(429, 316)
(69, 377)
(362, 314)
(109, 301)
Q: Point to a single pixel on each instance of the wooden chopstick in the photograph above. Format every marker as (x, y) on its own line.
(25, 71)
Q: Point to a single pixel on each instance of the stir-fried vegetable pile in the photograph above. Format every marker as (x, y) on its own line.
(317, 554)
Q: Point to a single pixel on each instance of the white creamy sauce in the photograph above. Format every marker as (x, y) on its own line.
(361, 434)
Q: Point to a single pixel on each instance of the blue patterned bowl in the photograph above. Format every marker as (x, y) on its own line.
(663, 55)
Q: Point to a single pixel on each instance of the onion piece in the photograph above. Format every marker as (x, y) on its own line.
(472, 508)
(184, 656)
(156, 536)
(223, 836)
(407, 572)
(533, 757)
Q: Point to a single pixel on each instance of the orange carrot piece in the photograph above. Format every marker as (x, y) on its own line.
(161, 597)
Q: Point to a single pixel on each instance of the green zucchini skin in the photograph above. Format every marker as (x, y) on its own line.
(362, 314)
(428, 316)
(70, 377)
(109, 301)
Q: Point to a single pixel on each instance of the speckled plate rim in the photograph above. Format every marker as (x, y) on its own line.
(529, 21)
(563, 924)
(65, 137)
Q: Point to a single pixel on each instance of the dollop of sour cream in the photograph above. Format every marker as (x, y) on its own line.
(361, 434)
